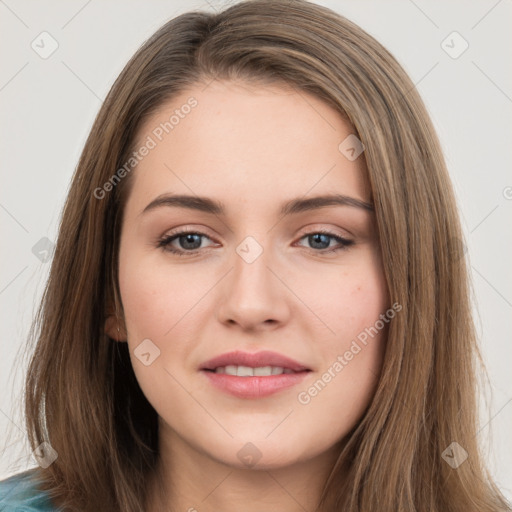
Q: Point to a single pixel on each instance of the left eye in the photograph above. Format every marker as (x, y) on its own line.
(320, 237)
(190, 242)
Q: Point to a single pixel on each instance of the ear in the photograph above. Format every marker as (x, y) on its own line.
(112, 324)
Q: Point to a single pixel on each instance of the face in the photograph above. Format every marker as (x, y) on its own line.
(305, 283)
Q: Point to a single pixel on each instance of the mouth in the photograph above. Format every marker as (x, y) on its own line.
(247, 375)
(248, 371)
(244, 362)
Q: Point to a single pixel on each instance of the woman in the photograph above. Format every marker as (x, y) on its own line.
(196, 348)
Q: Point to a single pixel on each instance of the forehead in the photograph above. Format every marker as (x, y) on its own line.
(226, 139)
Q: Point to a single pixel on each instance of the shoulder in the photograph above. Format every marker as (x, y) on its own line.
(19, 493)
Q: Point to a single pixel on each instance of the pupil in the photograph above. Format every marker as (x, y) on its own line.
(317, 236)
(189, 239)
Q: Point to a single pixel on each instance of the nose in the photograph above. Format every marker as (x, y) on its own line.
(253, 295)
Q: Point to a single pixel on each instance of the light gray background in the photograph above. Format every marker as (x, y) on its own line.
(48, 106)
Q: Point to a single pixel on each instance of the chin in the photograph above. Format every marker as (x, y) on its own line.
(258, 454)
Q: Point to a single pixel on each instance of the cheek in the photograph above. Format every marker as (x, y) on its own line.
(156, 298)
(364, 304)
(353, 301)
(158, 304)
(353, 355)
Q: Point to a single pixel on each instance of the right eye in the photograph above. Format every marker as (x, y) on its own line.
(187, 239)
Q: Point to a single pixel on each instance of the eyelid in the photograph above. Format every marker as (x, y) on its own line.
(320, 228)
(185, 230)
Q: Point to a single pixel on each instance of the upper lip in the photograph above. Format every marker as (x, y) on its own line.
(255, 360)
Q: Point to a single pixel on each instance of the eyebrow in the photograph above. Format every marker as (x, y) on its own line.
(294, 206)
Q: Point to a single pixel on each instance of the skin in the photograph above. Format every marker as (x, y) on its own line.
(253, 149)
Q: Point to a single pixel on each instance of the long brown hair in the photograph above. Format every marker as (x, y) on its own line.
(81, 393)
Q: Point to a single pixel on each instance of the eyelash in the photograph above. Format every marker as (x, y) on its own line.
(165, 241)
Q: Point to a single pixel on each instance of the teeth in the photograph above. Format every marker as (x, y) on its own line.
(246, 371)
(263, 371)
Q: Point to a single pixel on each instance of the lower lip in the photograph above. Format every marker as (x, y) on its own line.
(254, 387)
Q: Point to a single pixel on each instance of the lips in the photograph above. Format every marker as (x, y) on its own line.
(253, 360)
(253, 376)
